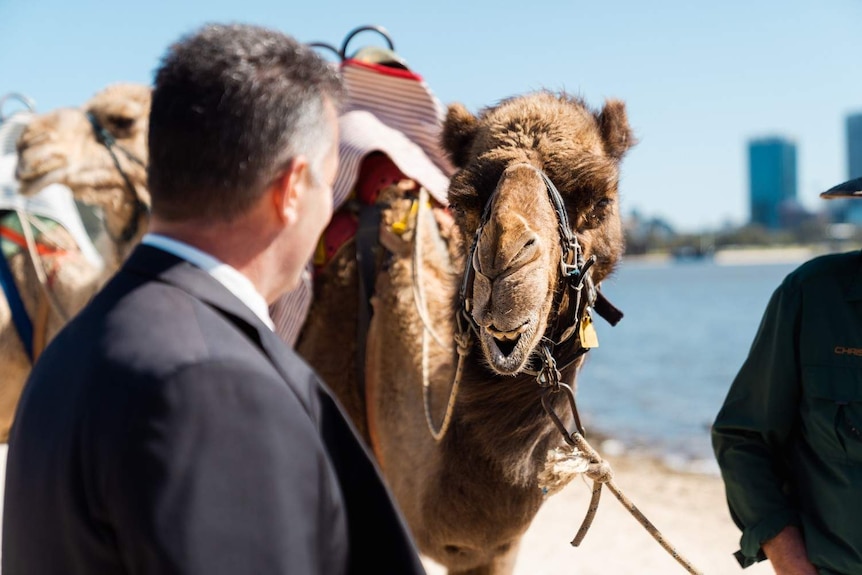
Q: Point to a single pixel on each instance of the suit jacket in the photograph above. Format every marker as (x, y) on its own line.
(168, 430)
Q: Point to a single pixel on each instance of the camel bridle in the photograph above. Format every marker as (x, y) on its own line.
(140, 208)
(583, 296)
(576, 280)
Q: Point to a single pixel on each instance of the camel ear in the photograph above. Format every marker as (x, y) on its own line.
(614, 125)
(459, 131)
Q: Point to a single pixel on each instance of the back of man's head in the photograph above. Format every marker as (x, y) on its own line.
(232, 105)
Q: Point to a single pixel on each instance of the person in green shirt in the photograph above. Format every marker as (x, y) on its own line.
(788, 438)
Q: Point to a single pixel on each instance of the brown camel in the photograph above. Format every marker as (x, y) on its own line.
(62, 147)
(470, 496)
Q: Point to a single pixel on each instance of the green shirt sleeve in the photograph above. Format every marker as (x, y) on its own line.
(753, 428)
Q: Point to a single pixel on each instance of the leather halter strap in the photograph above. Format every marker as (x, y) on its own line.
(571, 249)
(139, 208)
(575, 277)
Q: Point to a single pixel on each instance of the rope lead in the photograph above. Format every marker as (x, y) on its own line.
(601, 474)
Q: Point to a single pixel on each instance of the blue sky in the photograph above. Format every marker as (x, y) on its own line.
(699, 79)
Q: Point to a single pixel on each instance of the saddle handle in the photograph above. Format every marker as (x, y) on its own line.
(372, 28)
(28, 103)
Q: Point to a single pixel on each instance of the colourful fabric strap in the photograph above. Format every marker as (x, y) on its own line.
(16, 305)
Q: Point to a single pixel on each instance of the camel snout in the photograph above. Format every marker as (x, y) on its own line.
(32, 136)
(33, 166)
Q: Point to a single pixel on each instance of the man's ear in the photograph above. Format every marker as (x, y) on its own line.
(288, 188)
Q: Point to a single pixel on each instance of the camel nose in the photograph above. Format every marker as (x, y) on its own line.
(501, 261)
(32, 166)
(30, 137)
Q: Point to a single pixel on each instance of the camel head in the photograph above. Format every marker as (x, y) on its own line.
(501, 155)
(62, 147)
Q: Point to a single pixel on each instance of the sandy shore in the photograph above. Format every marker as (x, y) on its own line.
(688, 509)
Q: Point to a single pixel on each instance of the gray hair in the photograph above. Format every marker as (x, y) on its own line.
(232, 105)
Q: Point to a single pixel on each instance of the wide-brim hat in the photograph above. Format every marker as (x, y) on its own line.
(849, 189)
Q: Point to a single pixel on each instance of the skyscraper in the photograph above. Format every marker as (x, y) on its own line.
(771, 177)
(854, 146)
(850, 210)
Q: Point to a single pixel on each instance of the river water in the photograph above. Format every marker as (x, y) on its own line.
(658, 378)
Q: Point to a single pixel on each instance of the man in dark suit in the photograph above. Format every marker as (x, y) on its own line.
(167, 429)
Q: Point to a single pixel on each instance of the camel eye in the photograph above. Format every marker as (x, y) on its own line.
(121, 123)
(604, 202)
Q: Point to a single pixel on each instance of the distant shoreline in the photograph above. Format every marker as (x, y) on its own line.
(766, 255)
(738, 256)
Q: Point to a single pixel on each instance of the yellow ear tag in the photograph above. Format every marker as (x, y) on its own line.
(589, 337)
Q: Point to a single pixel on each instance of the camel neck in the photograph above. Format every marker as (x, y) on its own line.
(502, 418)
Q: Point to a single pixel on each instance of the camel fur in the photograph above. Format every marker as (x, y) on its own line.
(469, 498)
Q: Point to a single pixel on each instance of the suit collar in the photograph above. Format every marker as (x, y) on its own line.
(237, 283)
(168, 268)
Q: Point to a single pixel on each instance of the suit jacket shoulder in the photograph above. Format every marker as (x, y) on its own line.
(167, 426)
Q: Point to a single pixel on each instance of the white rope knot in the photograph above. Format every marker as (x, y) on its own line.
(600, 472)
(561, 466)
(563, 463)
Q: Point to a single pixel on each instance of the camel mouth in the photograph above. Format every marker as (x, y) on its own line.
(506, 351)
(507, 341)
(507, 346)
(32, 184)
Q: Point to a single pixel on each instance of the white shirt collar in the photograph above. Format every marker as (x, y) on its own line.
(229, 277)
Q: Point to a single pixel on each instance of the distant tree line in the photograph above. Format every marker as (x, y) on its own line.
(656, 236)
